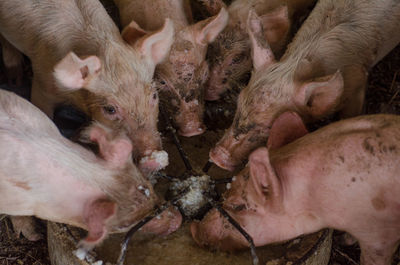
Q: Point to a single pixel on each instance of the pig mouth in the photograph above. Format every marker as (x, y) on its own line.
(192, 198)
(157, 160)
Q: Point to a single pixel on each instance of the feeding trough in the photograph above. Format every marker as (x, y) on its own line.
(186, 185)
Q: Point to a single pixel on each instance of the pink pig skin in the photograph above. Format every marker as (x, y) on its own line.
(324, 70)
(180, 79)
(45, 175)
(343, 176)
(231, 60)
(79, 57)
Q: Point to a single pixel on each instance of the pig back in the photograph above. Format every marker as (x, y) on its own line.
(151, 16)
(354, 161)
(344, 32)
(19, 115)
(55, 27)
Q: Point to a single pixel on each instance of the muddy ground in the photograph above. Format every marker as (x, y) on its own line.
(383, 96)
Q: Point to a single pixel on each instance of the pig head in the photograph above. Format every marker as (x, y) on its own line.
(255, 199)
(230, 58)
(131, 195)
(316, 76)
(45, 175)
(181, 77)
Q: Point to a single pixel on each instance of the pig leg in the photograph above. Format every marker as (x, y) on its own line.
(13, 61)
(40, 100)
(355, 79)
(26, 226)
(376, 253)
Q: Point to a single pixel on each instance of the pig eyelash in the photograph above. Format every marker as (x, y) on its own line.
(110, 111)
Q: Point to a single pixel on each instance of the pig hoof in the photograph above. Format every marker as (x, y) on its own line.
(222, 158)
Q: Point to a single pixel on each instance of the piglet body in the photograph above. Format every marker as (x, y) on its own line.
(324, 70)
(45, 175)
(344, 176)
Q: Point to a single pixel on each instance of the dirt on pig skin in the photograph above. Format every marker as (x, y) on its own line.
(382, 96)
(314, 62)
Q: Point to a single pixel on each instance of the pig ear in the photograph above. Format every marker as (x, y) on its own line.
(263, 175)
(155, 46)
(96, 216)
(116, 152)
(261, 51)
(207, 30)
(321, 95)
(285, 129)
(276, 25)
(74, 73)
(132, 33)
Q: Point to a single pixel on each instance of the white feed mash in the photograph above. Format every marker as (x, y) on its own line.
(193, 193)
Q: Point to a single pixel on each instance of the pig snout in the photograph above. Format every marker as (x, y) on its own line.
(215, 232)
(190, 119)
(165, 223)
(232, 150)
(216, 84)
(156, 160)
(147, 150)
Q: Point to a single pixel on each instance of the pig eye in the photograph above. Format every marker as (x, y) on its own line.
(162, 82)
(109, 109)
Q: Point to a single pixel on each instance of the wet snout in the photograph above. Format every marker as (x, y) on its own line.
(190, 119)
(147, 151)
(164, 224)
(233, 149)
(215, 232)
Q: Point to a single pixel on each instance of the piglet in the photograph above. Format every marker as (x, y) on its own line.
(46, 175)
(230, 59)
(324, 70)
(79, 57)
(343, 176)
(180, 79)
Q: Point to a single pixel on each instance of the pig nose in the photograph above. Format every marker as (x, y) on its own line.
(166, 223)
(192, 128)
(153, 161)
(212, 92)
(223, 158)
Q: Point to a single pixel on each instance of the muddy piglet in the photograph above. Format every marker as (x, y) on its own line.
(180, 79)
(46, 175)
(78, 57)
(343, 176)
(230, 59)
(324, 70)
